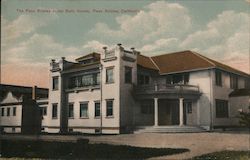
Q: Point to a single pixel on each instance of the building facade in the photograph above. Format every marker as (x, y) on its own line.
(119, 90)
(22, 108)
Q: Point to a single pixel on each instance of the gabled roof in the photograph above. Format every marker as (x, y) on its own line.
(146, 62)
(188, 61)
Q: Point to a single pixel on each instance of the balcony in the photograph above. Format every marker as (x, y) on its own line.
(167, 91)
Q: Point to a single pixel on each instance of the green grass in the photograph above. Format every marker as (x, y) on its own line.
(225, 155)
(79, 150)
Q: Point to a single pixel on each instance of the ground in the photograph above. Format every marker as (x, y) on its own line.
(197, 143)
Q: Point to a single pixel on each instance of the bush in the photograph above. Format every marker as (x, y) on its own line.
(245, 119)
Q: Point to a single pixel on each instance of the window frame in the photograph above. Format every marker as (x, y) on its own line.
(87, 112)
(14, 111)
(219, 111)
(70, 110)
(234, 82)
(97, 116)
(107, 79)
(54, 86)
(8, 112)
(218, 78)
(2, 112)
(107, 108)
(54, 116)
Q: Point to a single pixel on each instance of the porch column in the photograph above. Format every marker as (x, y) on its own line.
(156, 111)
(181, 111)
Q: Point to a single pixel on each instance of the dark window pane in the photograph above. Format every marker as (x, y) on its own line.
(8, 111)
(221, 108)
(218, 79)
(55, 83)
(109, 109)
(177, 79)
(14, 111)
(71, 110)
(186, 78)
(97, 109)
(146, 79)
(54, 111)
(2, 111)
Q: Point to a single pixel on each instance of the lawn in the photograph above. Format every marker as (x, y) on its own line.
(225, 155)
(79, 150)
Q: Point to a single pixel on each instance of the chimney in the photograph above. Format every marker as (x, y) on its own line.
(119, 44)
(34, 94)
(63, 58)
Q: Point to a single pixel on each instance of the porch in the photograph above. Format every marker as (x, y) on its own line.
(168, 108)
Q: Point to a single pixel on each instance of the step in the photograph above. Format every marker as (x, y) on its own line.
(168, 129)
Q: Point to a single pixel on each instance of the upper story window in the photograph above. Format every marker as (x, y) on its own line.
(128, 74)
(8, 111)
(143, 79)
(14, 111)
(55, 83)
(84, 80)
(2, 112)
(71, 110)
(181, 78)
(221, 108)
(247, 83)
(218, 78)
(54, 111)
(110, 75)
(109, 108)
(233, 81)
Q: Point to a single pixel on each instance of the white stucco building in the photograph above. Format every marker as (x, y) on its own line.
(120, 90)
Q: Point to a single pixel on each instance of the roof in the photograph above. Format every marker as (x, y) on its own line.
(187, 61)
(168, 63)
(240, 92)
(146, 62)
(89, 56)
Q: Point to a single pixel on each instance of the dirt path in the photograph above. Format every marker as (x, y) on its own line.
(197, 143)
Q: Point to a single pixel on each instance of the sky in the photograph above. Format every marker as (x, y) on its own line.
(35, 31)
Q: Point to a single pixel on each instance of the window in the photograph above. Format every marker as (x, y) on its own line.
(55, 83)
(84, 80)
(84, 110)
(71, 110)
(8, 111)
(97, 109)
(14, 111)
(233, 81)
(143, 79)
(2, 112)
(218, 79)
(188, 106)
(147, 107)
(109, 109)
(178, 78)
(54, 111)
(128, 74)
(109, 75)
(221, 108)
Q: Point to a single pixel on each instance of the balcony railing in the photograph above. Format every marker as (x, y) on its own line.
(166, 88)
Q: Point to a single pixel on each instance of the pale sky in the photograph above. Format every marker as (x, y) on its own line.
(218, 29)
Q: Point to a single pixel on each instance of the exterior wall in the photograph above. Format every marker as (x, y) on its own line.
(54, 98)
(222, 93)
(203, 80)
(192, 117)
(127, 99)
(111, 91)
(77, 123)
